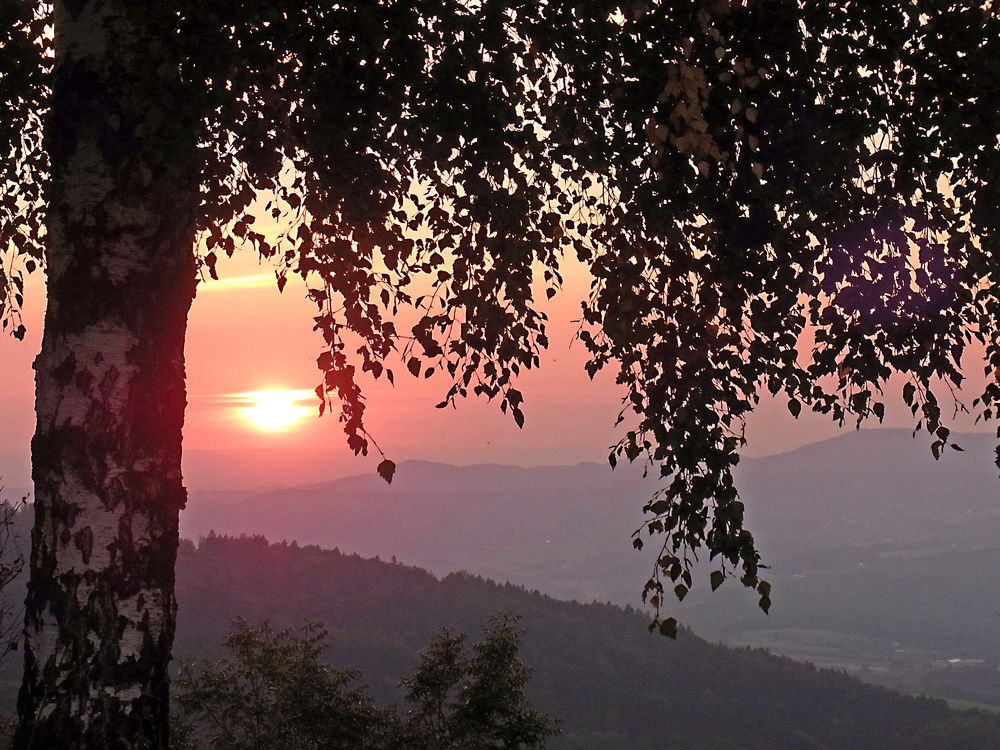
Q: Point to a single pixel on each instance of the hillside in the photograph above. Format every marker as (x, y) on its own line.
(612, 684)
(884, 562)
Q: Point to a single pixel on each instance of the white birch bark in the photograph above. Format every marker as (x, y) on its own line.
(109, 386)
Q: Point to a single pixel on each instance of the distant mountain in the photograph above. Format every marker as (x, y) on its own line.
(884, 561)
(536, 526)
(869, 537)
(878, 487)
(596, 668)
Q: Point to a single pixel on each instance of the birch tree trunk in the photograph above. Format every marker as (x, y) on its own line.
(110, 392)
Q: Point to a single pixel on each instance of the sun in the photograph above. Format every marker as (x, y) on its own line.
(276, 409)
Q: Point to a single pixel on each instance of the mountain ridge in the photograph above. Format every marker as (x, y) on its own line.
(868, 537)
(596, 667)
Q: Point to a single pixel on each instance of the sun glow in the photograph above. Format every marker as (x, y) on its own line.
(275, 409)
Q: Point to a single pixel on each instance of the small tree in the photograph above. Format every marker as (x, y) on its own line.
(273, 693)
(11, 602)
(11, 565)
(459, 700)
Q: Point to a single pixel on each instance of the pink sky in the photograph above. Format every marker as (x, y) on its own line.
(244, 336)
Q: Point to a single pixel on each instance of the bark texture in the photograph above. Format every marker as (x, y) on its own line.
(109, 385)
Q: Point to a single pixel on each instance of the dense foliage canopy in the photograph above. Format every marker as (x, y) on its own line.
(783, 196)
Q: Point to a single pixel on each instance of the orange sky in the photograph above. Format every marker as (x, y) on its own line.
(244, 336)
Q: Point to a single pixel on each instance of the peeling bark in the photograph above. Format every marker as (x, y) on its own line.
(110, 392)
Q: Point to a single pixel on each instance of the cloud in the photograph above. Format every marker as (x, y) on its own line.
(236, 283)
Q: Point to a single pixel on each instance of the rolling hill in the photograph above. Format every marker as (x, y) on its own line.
(884, 562)
(611, 683)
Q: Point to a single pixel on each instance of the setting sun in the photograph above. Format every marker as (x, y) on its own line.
(276, 409)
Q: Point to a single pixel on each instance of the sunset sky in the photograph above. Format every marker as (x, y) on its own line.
(244, 336)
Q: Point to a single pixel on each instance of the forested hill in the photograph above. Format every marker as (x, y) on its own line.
(596, 668)
(883, 561)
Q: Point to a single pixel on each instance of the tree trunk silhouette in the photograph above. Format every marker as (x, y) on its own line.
(110, 392)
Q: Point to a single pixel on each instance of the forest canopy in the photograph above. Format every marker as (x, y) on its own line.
(789, 197)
